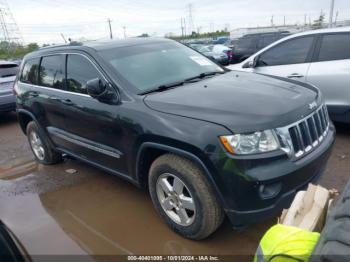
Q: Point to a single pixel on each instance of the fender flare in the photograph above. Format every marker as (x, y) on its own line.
(26, 112)
(184, 154)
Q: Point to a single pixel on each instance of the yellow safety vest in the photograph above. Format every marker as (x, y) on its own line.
(286, 244)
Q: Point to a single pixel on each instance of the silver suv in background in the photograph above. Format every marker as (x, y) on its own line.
(8, 71)
(320, 57)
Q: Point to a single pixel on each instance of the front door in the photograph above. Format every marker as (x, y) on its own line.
(92, 130)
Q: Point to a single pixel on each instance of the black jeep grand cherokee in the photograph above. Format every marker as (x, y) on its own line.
(205, 142)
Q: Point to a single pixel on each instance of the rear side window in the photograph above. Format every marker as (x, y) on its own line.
(51, 73)
(335, 47)
(79, 71)
(7, 70)
(293, 51)
(30, 71)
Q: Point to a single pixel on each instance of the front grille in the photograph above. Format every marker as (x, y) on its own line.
(308, 133)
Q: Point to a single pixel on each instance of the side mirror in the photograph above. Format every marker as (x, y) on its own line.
(96, 88)
(252, 63)
(102, 91)
(255, 61)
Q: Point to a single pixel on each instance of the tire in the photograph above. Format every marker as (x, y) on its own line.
(197, 198)
(41, 146)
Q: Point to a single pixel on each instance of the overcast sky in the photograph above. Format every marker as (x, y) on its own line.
(43, 21)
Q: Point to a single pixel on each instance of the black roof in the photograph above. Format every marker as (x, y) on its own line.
(96, 45)
(100, 45)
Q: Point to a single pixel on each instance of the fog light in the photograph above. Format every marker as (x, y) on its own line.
(267, 191)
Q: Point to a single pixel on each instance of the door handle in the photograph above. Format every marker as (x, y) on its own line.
(67, 102)
(34, 94)
(296, 75)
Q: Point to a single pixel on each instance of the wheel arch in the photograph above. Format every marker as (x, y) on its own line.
(157, 149)
(24, 117)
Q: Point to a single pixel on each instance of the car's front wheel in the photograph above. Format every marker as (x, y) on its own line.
(183, 197)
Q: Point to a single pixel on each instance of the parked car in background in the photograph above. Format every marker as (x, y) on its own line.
(320, 57)
(220, 50)
(204, 141)
(8, 71)
(249, 44)
(219, 57)
(220, 40)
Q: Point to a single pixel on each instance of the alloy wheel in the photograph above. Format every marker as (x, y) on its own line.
(176, 199)
(37, 145)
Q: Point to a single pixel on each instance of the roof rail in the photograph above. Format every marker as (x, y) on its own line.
(72, 43)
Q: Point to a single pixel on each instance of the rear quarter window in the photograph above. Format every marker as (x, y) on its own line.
(30, 70)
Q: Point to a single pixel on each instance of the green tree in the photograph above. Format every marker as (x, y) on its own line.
(317, 24)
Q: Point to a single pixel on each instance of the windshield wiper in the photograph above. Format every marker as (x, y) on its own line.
(203, 75)
(180, 83)
(163, 87)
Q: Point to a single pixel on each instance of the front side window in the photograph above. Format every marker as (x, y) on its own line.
(51, 73)
(293, 51)
(79, 71)
(335, 47)
(151, 65)
(30, 71)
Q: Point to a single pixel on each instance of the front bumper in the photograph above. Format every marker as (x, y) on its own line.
(241, 181)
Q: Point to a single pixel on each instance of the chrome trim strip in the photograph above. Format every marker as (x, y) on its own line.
(64, 91)
(53, 89)
(284, 134)
(84, 144)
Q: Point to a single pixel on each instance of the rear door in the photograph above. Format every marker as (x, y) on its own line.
(331, 71)
(50, 94)
(290, 58)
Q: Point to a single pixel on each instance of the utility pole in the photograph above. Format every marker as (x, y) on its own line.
(182, 27)
(124, 29)
(272, 20)
(110, 28)
(336, 18)
(331, 14)
(284, 20)
(185, 26)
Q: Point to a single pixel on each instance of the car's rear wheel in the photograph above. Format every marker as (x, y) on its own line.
(183, 197)
(40, 145)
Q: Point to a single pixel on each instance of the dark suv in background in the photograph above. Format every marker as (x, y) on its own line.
(205, 142)
(249, 44)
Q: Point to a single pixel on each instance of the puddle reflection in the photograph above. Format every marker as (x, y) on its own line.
(104, 215)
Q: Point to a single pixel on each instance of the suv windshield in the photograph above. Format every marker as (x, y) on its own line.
(149, 66)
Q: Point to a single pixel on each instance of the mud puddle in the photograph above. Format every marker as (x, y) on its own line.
(91, 212)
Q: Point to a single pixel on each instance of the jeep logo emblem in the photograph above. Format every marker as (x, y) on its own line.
(312, 105)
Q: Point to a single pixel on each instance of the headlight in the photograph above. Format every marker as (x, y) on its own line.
(258, 142)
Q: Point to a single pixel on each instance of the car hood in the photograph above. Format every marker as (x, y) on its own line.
(242, 102)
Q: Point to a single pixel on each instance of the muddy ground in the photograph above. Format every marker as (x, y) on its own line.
(91, 212)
